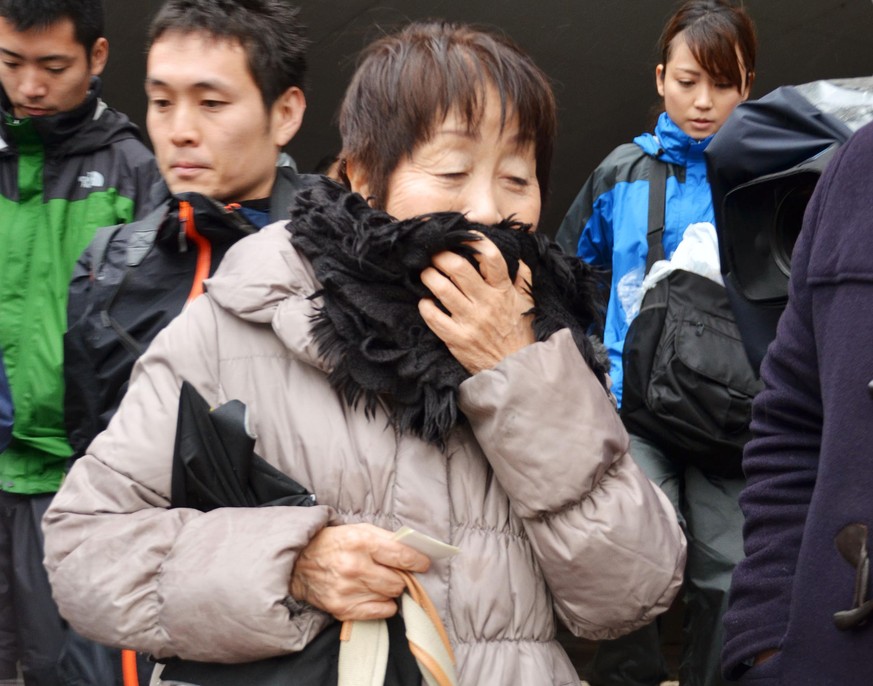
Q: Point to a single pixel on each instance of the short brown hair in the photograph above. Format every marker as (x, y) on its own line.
(714, 31)
(407, 83)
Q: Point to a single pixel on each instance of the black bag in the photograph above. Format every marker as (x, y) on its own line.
(688, 385)
(315, 665)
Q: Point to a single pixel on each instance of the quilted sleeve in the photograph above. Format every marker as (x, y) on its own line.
(128, 571)
(607, 539)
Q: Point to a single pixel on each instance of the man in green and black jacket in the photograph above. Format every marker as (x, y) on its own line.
(68, 165)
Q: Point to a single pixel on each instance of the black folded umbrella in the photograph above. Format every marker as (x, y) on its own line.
(215, 464)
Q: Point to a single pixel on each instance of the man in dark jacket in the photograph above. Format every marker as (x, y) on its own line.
(224, 84)
(68, 165)
(800, 602)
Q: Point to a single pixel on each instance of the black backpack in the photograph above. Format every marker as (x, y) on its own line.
(133, 280)
(128, 285)
(688, 385)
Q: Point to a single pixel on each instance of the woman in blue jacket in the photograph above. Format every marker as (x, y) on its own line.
(707, 51)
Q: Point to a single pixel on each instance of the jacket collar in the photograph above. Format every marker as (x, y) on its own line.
(55, 128)
(671, 144)
(88, 127)
(217, 222)
(345, 298)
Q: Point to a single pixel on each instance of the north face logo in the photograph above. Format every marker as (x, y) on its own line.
(91, 179)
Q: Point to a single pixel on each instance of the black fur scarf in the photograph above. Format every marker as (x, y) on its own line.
(369, 328)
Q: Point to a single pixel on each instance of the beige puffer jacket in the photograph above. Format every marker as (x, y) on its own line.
(538, 491)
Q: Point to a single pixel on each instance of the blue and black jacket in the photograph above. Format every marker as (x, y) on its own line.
(607, 223)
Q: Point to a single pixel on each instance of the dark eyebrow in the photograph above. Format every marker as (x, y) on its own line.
(44, 58)
(199, 85)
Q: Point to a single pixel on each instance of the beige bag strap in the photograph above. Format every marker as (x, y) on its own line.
(363, 654)
(427, 636)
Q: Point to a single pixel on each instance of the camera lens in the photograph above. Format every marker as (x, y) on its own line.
(787, 223)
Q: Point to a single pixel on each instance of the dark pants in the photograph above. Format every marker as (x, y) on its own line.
(85, 663)
(31, 631)
(708, 509)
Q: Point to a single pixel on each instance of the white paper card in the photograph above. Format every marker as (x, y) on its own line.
(434, 549)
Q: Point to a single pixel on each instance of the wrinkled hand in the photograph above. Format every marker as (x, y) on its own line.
(488, 319)
(349, 571)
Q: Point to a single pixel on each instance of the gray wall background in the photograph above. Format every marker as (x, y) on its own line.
(600, 55)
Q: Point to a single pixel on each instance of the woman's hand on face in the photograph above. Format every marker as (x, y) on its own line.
(488, 317)
(349, 571)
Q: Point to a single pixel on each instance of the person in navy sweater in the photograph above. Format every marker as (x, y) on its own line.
(800, 601)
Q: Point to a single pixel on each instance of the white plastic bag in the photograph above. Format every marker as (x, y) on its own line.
(697, 252)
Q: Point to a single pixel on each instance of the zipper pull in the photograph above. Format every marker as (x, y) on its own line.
(183, 242)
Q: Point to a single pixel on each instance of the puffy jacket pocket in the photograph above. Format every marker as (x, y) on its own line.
(699, 346)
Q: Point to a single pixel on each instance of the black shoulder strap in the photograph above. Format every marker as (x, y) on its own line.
(657, 200)
(98, 247)
(140, 242)
(285, 188)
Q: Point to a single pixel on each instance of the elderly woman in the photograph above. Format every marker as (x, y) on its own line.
(535, 488)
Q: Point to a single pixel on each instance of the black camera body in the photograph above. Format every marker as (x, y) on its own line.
(763, 166)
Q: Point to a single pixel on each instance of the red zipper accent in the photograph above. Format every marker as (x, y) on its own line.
(204, 249)
(128, 668)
